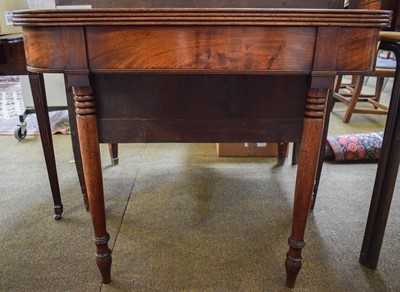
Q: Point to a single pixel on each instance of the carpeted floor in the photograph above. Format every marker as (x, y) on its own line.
(182, 219)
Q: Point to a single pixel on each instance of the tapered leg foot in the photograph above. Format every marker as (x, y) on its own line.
(103, 262)
(293, 261)
(103, 257)
(293, 267)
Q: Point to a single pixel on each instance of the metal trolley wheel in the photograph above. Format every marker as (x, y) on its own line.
(20, 131)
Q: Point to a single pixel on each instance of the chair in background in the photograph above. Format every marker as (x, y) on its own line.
(385, 67)
(351, 93)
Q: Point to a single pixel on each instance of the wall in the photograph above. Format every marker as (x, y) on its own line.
(41, 4)
(10, 5)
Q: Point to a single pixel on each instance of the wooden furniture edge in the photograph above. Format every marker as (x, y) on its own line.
(211, 16)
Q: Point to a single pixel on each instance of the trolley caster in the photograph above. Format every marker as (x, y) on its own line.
(20, 131)
(57, 217)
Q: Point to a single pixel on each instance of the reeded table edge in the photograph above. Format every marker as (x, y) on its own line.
(204, 16)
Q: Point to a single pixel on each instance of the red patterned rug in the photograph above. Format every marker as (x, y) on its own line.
(355, 147)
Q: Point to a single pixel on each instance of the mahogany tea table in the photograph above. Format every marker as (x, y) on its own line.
(156, 74)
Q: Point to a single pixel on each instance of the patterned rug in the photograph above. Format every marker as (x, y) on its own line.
(356, 147)
(12, 105)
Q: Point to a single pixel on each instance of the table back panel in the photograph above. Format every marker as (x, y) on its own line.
(200, 108)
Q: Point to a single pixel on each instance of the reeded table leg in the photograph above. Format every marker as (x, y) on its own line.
(308, 160)
(90, 151)
(39, 99)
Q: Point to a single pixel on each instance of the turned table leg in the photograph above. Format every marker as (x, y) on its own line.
(39, 98)
(322, 150)
(113, 148)
(90, 151)
(308, 160)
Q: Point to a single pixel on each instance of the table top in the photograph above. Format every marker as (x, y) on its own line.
(199, 40)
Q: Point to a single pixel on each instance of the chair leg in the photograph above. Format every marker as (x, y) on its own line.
(359, 80)
(378, 88)
(113, 148)
(385, 82)
(338, 83)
